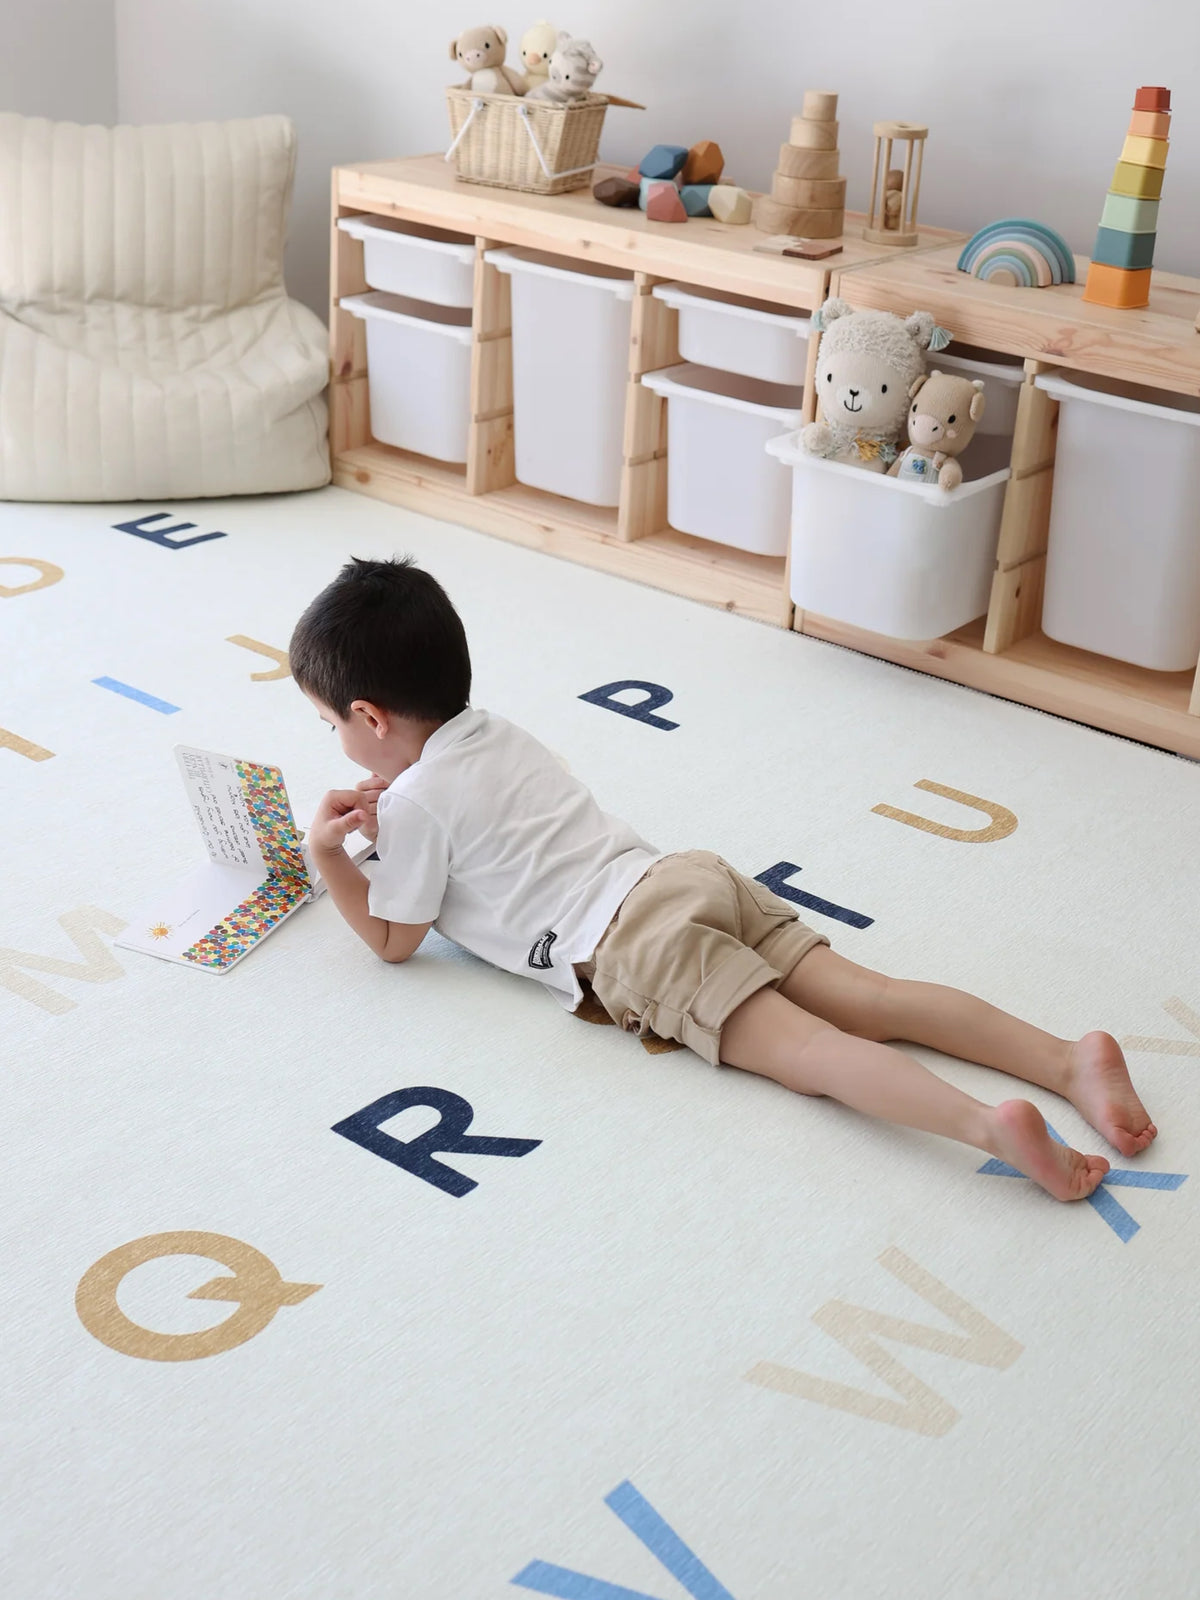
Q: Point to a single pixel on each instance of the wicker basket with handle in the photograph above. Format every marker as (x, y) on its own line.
(511, 143)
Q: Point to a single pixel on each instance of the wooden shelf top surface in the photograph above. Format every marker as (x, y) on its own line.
(701, 251)
(1157, 345)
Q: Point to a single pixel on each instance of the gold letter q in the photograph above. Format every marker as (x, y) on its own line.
(256, 1287)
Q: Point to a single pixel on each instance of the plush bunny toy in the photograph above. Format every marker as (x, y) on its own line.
(941, 424)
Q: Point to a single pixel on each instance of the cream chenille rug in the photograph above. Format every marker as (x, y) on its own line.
(680, 1333)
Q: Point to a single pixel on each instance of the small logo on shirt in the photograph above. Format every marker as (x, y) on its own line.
(539, 956)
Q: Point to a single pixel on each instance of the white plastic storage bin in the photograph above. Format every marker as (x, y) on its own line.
(904, 559)
(1002, 380)
(738, 335)
(418, 262)
(1123, 558)
(570, 343)
(721, 484)
(418, 373)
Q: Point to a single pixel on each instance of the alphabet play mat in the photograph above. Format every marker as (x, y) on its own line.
(276, 1329)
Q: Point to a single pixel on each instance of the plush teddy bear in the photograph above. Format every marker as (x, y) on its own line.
(573, 69)
(941, 424)
(480, 51)
(537, 47)
(867, 363)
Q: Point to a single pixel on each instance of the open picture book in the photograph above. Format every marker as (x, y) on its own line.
(257, 873)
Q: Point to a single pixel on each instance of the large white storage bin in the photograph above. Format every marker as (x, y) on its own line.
(1001, 380)
(721, 484)
(738, 335)
(408, 259)
(418, 373)
(570, 343)
(1123, 559)
(903, 559)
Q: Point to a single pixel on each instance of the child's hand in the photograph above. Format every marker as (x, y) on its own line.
(370, 789)
(340, 812)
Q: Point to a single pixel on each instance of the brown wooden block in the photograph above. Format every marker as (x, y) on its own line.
(795, 162)
(772, 216)
(818, 223)
(1149, 99)
(664, 205)
(819, 105)
(813, 251)
(704, 163)
(814, 135)
(617, 192)
(814, 193)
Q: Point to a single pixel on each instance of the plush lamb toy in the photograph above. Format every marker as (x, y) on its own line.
(573, 69)
(481, 52)
(537, 47)
(866, 366)
(941, 424)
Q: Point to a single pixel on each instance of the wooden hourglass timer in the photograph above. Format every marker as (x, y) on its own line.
(892, 217)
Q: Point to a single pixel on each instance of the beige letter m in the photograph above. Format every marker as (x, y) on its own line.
(920, 1408)
(83, 927)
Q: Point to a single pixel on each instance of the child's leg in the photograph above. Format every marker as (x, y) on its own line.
(770, 1035)
(1090, 1072)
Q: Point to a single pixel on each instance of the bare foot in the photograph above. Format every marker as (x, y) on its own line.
(1098, 1087)
(1021, 1139)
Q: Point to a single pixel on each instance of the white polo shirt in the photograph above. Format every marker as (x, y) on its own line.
(488, 838)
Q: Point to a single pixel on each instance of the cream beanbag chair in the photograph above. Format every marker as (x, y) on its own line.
(148, 349)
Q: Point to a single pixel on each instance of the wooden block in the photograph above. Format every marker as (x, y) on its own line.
(695, 198)
(1133, 251)
(1144, 183)
(1130, 215)
(617, 192)
(1150, 99)
(730, 204)
(1144, 152)
(651, 183)
(814, 135)
(704, 163)
(1112, 286)
(664, 161)
(819, 223)
(771, 216)
(795, 162)
(819, 105)
(663, 204)
(805, 250)
(819, 193)
(1150, 124)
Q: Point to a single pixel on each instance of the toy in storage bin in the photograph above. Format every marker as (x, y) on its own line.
(409, 259)
(570, 352)
(1002, 379)
(1123, 551)
(904, 559)
(739, 335)
(418, 373)
(721, 484)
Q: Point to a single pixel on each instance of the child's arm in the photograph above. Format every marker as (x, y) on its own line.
(339, 814)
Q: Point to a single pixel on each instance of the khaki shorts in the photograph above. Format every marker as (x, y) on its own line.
(692, 939)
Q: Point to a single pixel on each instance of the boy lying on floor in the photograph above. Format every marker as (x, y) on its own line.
(483, 835)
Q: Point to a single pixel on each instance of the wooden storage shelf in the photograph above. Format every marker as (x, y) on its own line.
(633, 540)
(1006, 653)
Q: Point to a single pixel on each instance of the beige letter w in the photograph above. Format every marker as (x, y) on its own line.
(921, 1408)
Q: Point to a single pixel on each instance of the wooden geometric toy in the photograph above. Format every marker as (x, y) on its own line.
(1119, 275)
(1020, 253)
(704, 163)
(892, 215)
(808, 197)
(664, 161)
(730, 204)
(663, 204)
(617, 192)
(695, 198)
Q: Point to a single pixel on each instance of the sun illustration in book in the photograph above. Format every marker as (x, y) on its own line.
(159, 931)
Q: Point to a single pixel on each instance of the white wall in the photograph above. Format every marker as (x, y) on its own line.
(58, 59)
(1027, 102)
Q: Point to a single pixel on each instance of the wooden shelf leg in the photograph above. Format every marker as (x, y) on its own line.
(349, 410)
(1194, 703)
(653, 343)
(1015, 608)
(490, 434)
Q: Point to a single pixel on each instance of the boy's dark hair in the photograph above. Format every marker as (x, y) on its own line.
(384, 631)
